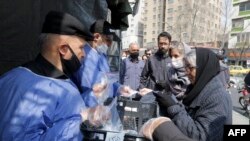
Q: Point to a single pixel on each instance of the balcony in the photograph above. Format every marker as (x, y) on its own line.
(243, 13)
(236, 30)
(242, 45)
(237, 2)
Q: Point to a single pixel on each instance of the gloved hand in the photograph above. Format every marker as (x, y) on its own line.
(96, 116)
(161, 83)
(164, 99)
(100, 89)
(148, 128)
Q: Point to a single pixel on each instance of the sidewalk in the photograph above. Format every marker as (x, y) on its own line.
(239, 119)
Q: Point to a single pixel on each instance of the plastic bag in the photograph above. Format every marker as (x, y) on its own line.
(148, 128)
(96, 117)
(114, 123)
(101, 89)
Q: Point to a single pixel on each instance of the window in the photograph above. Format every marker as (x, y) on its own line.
(169, 28)
(185, 35)
(159, 8)
(179, 8)
(145, 33)
(145, 40)
(237, 23)
(247, 37)
(243, 37)
(153, 24)
(186, 25)
(170, 19)
(170, 10)
(248, 6)
(153, 39)
(238, 38)
(170, 1)
(153, 32)
(154, 17)
(244, 6)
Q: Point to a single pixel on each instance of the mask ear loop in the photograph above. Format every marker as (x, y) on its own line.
(63, 49)
(68, 46)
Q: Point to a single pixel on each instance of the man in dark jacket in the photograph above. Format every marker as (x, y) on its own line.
(154, 73)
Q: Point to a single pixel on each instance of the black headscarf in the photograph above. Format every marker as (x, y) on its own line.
(207, 67)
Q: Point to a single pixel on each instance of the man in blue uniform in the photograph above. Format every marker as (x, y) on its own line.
(95, 65)
(38, 101)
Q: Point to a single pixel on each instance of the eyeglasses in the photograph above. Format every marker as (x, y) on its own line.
(148, 53)
(189, 68)
(136, 50)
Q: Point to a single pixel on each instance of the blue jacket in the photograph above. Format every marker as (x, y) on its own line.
(94, 67)
(34, 107)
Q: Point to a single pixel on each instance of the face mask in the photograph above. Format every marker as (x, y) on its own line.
(134, 55)
(102, 48)
(177, 63)
(72, 65)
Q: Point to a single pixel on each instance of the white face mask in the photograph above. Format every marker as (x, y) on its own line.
(177, 63)
(102, 48)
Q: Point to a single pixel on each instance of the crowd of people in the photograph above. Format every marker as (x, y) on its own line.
(50, 97)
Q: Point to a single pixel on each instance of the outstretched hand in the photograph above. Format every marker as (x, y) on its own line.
(144, 91)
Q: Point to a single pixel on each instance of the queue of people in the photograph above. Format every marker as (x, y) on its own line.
(49, 97)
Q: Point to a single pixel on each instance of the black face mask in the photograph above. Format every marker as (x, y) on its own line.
(72, 65)
(134, 55)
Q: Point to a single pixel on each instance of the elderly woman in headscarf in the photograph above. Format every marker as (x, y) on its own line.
(206, 106)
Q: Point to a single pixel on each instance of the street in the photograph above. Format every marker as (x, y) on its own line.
(235, 101)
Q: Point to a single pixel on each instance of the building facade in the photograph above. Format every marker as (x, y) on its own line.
(186, 20)
(240, 33)
(135, 31)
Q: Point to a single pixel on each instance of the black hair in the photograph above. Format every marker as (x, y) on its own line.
(147, 50)
(164, 34)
